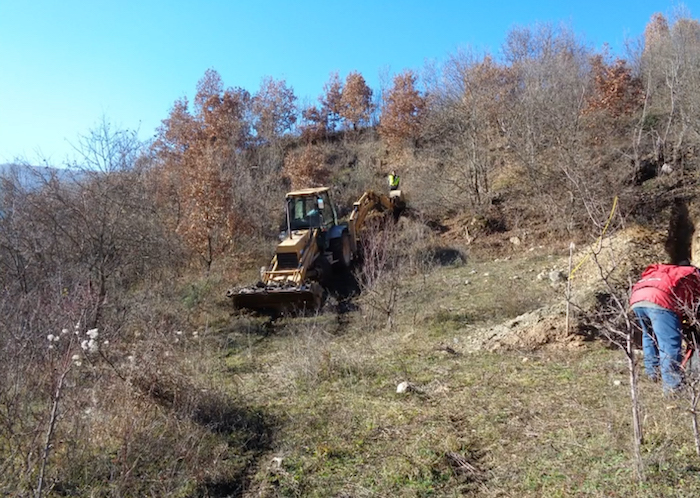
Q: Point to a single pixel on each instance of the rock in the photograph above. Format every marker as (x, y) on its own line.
(556, 276)
(403, 387)
(515, 240)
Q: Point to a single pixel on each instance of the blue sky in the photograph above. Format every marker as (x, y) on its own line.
(64, 65)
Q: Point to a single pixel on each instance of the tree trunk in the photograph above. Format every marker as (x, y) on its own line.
(636, 419)
(50, 431)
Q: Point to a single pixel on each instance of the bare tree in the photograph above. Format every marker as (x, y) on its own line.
(620, 329)
(380, 271)
(550, 69)
(669, 65)
(107, 149)
(463, 129)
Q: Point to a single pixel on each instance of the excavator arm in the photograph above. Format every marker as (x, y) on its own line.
(368, 202)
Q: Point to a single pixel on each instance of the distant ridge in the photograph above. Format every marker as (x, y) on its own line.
(34, 176)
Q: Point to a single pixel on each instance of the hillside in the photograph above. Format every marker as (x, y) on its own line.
(33, 177)
(538, 185)
(498, 398)
(189, 397)
(159, 380)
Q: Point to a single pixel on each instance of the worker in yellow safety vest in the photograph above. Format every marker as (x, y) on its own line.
(394, 180)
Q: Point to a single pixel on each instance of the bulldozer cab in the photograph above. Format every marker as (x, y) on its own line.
(310, 208)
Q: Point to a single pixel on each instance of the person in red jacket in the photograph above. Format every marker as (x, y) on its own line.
(662, 298)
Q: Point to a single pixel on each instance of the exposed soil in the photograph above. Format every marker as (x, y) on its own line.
(620, 255)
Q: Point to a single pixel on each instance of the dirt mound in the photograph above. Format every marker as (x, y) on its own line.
(545, 326)
(619, 256)
(532, 330)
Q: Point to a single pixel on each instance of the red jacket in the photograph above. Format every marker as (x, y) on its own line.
(676, 288)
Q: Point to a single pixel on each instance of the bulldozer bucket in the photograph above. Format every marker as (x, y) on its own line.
(279, 299)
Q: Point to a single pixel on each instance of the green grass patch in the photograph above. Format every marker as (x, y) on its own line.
(553, 422)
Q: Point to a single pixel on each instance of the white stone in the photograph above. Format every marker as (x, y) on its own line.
(556, 276)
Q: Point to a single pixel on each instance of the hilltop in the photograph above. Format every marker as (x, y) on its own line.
(33, 177)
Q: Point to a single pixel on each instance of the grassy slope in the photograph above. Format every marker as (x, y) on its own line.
(547, 422)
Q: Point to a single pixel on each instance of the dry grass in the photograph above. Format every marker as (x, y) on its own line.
(149, 415)
(535, 424)
(546, 422)
(218, 405)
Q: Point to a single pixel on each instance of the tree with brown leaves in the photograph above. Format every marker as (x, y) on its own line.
(402, 112)
(274, 110)
(331, 101)
(356, 100)
(306, 168)
(314, 124)
(196, 156)
(616, 90)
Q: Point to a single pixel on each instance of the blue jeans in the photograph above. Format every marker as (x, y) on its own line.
(661, 342)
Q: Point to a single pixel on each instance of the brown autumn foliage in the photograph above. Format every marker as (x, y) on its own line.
(331, 105)
(616, 90)
(400, 122)
(314, 124)
(197, 153)
(342, 106)
(274, 108)
(356, 101)
(306, 167)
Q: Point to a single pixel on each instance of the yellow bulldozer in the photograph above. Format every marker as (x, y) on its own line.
(314, 245)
